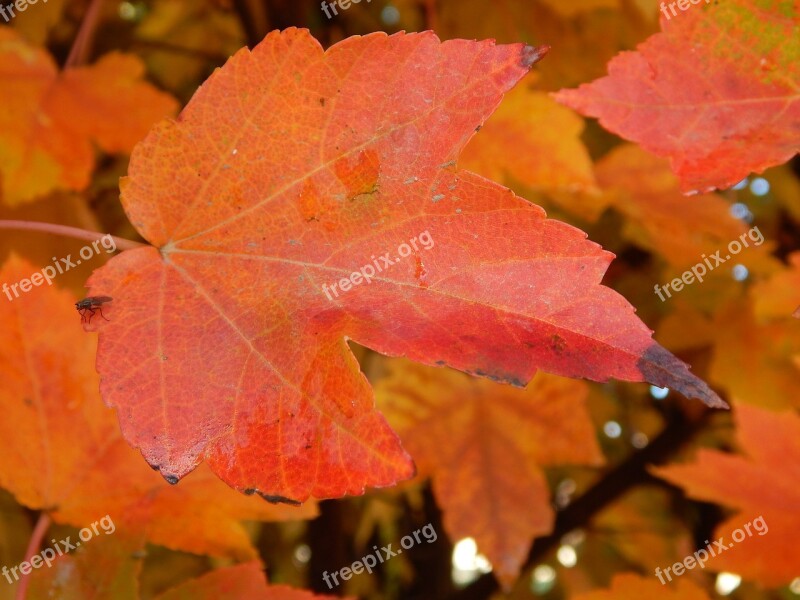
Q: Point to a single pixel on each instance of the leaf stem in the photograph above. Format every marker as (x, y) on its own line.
(65, 230)
(83, 40)
(42, 525)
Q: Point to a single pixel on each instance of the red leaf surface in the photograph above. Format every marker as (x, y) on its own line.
(716, 91)
(62, 451)
(289, 169)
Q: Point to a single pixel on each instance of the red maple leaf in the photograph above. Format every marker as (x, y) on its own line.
(289, 171)
(717, 114)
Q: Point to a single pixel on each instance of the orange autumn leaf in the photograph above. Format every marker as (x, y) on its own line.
(660, 218)
(36, 27)
(485, 445)
(231, 329)
(577, 30)
(642, 519)
(716, 114)
(62, 450)
(778, 297)
(534, 141)
(202, 516)
(754, 361)
(109, 568)
(51, 120)
(762, 481)
(104, 567)
(242, 582)
(630, 586)
(685, 328)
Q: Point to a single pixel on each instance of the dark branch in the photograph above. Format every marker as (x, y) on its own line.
(680, 430)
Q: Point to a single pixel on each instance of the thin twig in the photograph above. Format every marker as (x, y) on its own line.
(73, 232)
(42, 525)
(83, 40)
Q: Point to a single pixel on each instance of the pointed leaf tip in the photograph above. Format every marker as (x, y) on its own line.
(533, 54)
(658, 366)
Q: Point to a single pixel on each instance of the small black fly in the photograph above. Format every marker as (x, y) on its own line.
(88, 305)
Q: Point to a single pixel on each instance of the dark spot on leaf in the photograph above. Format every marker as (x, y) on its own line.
(478, 128)
(502, 378)
(171, 479)
(279, 499)
(532, 54)
(557, 343)
(440, 363)
(322, 101)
